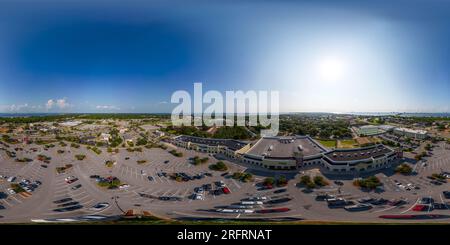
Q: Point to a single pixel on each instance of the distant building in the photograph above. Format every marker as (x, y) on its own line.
(411, 133)
(105, 137)
(70, 123)
(159, 133)
(228, 147)
(370, 130)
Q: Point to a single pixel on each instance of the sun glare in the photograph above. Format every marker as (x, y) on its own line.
(331, 68)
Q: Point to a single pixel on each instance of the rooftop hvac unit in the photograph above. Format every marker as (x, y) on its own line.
(300, 147)
(271, 148)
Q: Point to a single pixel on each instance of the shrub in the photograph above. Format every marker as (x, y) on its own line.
(109, 163)
(175, 153)
(403, 169)
(17, 188)
(269, 181)
(307, 181)
(142, 141)
(141, 161)
(320, 181)
(80, 157)
(96, 150)
(371, 182)
(244, 177)
(282, 181)
(43, 158)
(24, 159)
(219, 166)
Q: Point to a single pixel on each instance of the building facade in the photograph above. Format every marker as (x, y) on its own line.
(295, 152)
(411, 133)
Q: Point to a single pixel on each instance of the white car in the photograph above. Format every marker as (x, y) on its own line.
(69, 178)
(11, 191)
(99, 206)
(143, 172)
(199, 197)
(11, 179)
(124, 186)
(258, 198)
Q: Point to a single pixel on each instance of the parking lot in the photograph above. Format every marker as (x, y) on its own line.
(173, 187)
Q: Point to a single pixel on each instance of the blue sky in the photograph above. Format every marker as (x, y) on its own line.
(108, 56)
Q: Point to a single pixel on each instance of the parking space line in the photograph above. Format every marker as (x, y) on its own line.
(411, 206)
(16, 199)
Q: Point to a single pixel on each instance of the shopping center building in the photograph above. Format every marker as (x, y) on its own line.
(295, 152)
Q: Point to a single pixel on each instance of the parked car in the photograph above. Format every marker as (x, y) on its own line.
(226, 190)
(421, 207)
(338, 203)
(11, 179)
(426, 200)
(440, 206)
(365, 200)
(67, 199)
(280, 191)
(207, 187)
(358, 207)
(380, 201)
(99, 206)
(281, 200)
(72, 208)
(324, 197)
(76, 187)
(338, 182)
(67, 204)
(150, 178)
(198, 196)
(446, 194)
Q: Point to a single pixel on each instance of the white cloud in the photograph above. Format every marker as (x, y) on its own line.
(58, 103)
(49, 104)
(107, 107)
(15, 108)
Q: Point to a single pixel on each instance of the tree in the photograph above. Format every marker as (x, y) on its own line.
(403, 169)
(282, 180)
(269, 181)
(320, 181)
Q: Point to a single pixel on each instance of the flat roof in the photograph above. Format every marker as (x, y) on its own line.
(282, 147)
(375, 151)
(409, 130)
(230, 143)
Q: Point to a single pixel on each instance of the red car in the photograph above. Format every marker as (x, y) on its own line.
(71, 181)
(226, 190)
(420, 207)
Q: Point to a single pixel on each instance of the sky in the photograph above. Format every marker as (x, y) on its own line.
(131, 56)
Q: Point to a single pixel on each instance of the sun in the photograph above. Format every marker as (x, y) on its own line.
(331, 68)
